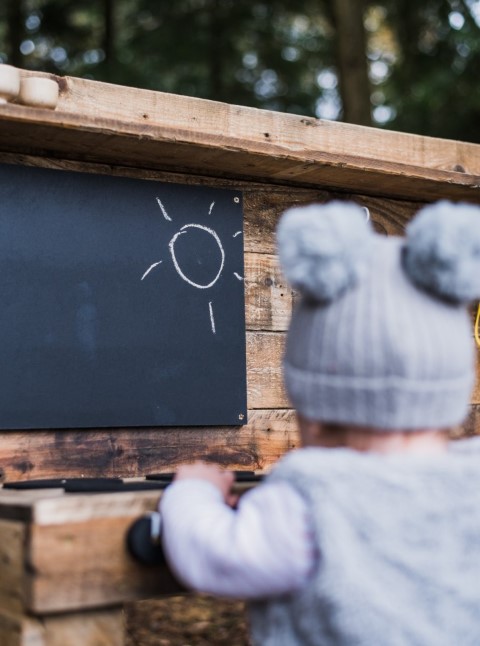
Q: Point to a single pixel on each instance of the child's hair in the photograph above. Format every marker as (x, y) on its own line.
(381, 336)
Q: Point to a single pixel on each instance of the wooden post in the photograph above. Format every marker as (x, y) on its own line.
(66, 571)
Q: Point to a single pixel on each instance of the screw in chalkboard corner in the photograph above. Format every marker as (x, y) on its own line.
(236, 200)
(241, 416)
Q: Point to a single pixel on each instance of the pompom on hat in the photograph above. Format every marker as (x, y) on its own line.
(381, 336)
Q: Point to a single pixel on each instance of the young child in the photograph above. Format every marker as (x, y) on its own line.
(369, 535)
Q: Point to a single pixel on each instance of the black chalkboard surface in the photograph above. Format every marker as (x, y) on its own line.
(122, 302)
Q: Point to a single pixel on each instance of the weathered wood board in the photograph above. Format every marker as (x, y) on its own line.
(155, 130)
(277, 161)
(269, 302)
(89, 628)
(66, 569)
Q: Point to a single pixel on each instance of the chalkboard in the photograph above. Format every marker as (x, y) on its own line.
(122, 302)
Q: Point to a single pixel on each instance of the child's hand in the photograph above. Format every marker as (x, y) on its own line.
(220, 478)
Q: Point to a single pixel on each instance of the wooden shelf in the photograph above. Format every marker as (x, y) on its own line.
(99, 122)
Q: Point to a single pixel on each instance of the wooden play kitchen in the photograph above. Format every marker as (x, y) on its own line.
(124, 350)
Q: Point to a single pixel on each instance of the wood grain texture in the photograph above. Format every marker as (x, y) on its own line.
(85, 564)
(133, 452)
(20, 631)
(93, 628)
(262, 203)
(268, 298)
(12, 542)
(100, 122)
(264, 370)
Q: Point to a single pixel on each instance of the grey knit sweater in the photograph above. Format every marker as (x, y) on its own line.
(399, 552)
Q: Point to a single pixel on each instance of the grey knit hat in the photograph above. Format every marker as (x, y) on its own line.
(381, 336)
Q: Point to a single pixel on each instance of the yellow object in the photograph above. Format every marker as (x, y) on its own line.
(476, 332)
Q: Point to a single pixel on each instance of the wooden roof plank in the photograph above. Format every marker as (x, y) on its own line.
(102, 122)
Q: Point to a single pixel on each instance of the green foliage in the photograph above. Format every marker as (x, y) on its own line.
(433, 84)
(279, 54)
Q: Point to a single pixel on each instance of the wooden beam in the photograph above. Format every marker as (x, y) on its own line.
(85, 564)
(135, 452)
(263, 204)
(101, 122)
(90, 628)
(12, 543)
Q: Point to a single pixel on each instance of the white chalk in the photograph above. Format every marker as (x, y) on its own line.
(165, 214)
(150, 268)
(212, 321)
(171, 246)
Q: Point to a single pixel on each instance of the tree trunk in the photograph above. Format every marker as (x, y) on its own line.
(15, 32)
(215, 62)
(109, 37)
(352, 61)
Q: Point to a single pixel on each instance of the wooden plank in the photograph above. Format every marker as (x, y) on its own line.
(263, 203)
(264, 370)
(93, 628)
(12, 545)
(17, 505)
(268, 298)
(79, 508)
(20, 631)
(82, 565)
(134, 452)
(101, 122)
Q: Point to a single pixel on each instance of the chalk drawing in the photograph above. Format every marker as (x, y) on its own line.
(171, 246)
(150, 268)
(165, 214)
(212, 320)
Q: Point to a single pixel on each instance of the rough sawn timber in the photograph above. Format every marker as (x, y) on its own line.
(271, 427)
(102, 122)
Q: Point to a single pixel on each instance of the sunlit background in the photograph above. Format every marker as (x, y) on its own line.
(407, 65)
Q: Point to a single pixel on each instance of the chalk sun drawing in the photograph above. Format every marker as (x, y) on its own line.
(171, 247)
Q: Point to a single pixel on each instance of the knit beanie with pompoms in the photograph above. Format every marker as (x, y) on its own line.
(381, 336)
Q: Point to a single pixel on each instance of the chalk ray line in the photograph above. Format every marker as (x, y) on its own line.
(150, 268)
(165, 214)
(238, 233)
(212, 320)
(237, 275)
(211, 208)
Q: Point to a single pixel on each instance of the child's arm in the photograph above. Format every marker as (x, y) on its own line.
(264, 548)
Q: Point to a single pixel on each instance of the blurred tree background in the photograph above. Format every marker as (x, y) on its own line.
(410, 65)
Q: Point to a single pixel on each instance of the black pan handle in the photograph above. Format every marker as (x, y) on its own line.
(144, 540)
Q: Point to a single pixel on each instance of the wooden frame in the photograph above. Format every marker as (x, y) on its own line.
(277, 161)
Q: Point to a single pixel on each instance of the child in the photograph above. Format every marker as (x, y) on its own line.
(369, 535)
